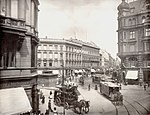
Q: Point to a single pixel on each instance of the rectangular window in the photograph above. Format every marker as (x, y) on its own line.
(61, 55)
(147, 46)
(124, 35)
(147, 32)
(56, 55)
(124, 47)
(50, 47)
(45, 55)
(132, 34)
(44, 64)
(50, 64)
(61, 48)
(39, 55)
(50, 55)
(56, 47)
(39, 47)
(45, 47)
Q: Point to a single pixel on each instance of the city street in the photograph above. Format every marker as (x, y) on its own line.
(136, 101)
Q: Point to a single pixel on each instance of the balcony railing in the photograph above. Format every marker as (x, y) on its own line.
(12, 22)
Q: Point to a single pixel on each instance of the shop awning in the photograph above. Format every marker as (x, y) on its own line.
(76, 71)
(132, 74)
(93, 70)
(14, 101)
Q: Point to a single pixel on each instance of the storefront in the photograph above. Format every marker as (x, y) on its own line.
(132, 77)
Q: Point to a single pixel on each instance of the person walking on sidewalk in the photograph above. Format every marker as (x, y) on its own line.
(50, 97)
(145, 85)
(89, 87)
(49, 106)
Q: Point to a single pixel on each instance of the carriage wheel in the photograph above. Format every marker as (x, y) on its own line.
(87, 109)
(58, 101)
(66, 105)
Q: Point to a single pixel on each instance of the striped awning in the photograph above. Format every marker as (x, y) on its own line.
(14, 101)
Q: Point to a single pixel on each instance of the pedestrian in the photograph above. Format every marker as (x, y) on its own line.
(55, 111)
(50, 97)
(43, 99)
(49, 106)
(145, 85)
(89, 86)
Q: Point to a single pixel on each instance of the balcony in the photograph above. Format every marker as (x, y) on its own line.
(127, 53)
(12, 23)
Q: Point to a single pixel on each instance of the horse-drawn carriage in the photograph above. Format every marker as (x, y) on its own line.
(67, 97)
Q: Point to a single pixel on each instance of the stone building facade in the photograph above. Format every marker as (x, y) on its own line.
(134, 37)
(72, 53)
(18, 46)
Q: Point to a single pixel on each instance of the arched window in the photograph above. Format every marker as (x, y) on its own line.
(130, 22)
(143, 19)
(133, 62)
(133, 21)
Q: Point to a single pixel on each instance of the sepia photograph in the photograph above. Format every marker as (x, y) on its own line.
(74, 57)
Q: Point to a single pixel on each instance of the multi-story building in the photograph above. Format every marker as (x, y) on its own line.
(90, 54)
(72, 53)
(18, 46)
(134, 37)
(53, 53)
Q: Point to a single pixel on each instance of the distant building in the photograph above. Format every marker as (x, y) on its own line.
(134, 37)
(18, 46)
(72, 53)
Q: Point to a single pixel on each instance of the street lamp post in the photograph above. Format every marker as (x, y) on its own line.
(63, 86)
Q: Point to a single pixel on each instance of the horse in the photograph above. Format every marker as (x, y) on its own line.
(78, 106)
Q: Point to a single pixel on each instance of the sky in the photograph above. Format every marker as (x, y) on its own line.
(86, 20)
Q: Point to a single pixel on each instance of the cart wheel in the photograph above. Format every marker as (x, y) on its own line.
(86, 109)
(58, 101)
(66, 105)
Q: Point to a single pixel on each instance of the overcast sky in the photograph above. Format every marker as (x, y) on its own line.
(87, 20)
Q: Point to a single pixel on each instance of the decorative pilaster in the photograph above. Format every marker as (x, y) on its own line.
(140, 65)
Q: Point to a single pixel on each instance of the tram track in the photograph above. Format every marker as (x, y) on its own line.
(137, 104)
(130, 108)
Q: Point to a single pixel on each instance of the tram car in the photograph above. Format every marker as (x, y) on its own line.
(109, 88)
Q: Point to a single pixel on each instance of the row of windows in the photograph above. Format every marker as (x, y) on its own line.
(57, 47)
(132, 21)
(58, 55)
(68, 49)
(132, 34)
(132, 47)
(57, 64)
